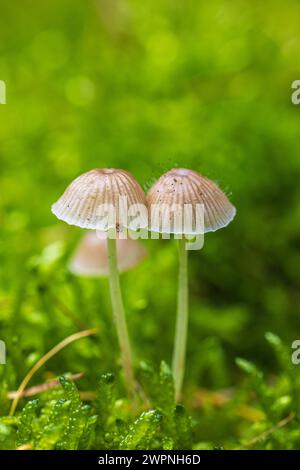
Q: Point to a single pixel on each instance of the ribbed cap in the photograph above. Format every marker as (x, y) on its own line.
(182, 187)
(82, 202)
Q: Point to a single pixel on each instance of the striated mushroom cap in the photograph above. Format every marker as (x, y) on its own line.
(91, 258)
(181, 187)
(87, 199)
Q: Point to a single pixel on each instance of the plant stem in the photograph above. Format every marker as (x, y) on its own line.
(44, 359)
(178, 365)
(119, 316)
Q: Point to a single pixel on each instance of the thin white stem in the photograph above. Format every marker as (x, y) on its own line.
(178, 365)
(119, 315)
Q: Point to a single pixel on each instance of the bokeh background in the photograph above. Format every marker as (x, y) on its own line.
(147, 86)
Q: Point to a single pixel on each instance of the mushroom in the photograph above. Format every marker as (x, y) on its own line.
(178, 198)
(91, 255)
(99, 200)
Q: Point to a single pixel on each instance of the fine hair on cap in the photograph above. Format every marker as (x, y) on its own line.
(184, 202)
(91, 257)
(103, 199)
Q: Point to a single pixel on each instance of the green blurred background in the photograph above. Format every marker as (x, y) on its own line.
(146, 86)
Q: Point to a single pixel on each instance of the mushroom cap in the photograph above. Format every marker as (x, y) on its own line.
(180, 187)
(91, 258)
(85, 198)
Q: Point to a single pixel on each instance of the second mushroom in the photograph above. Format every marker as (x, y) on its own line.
(175, 191)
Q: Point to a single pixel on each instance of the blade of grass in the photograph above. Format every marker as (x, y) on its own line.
(264, 435)
(44, 359)
(29, 392)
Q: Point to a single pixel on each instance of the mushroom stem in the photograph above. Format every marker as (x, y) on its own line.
(178, 365)
(119, 315)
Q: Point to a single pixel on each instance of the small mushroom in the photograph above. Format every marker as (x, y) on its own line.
(91, 255)
(167, 199)
(95, 200)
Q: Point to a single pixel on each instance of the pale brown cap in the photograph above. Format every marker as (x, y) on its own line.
(180, 187)
(91, 258)
(82, 202)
